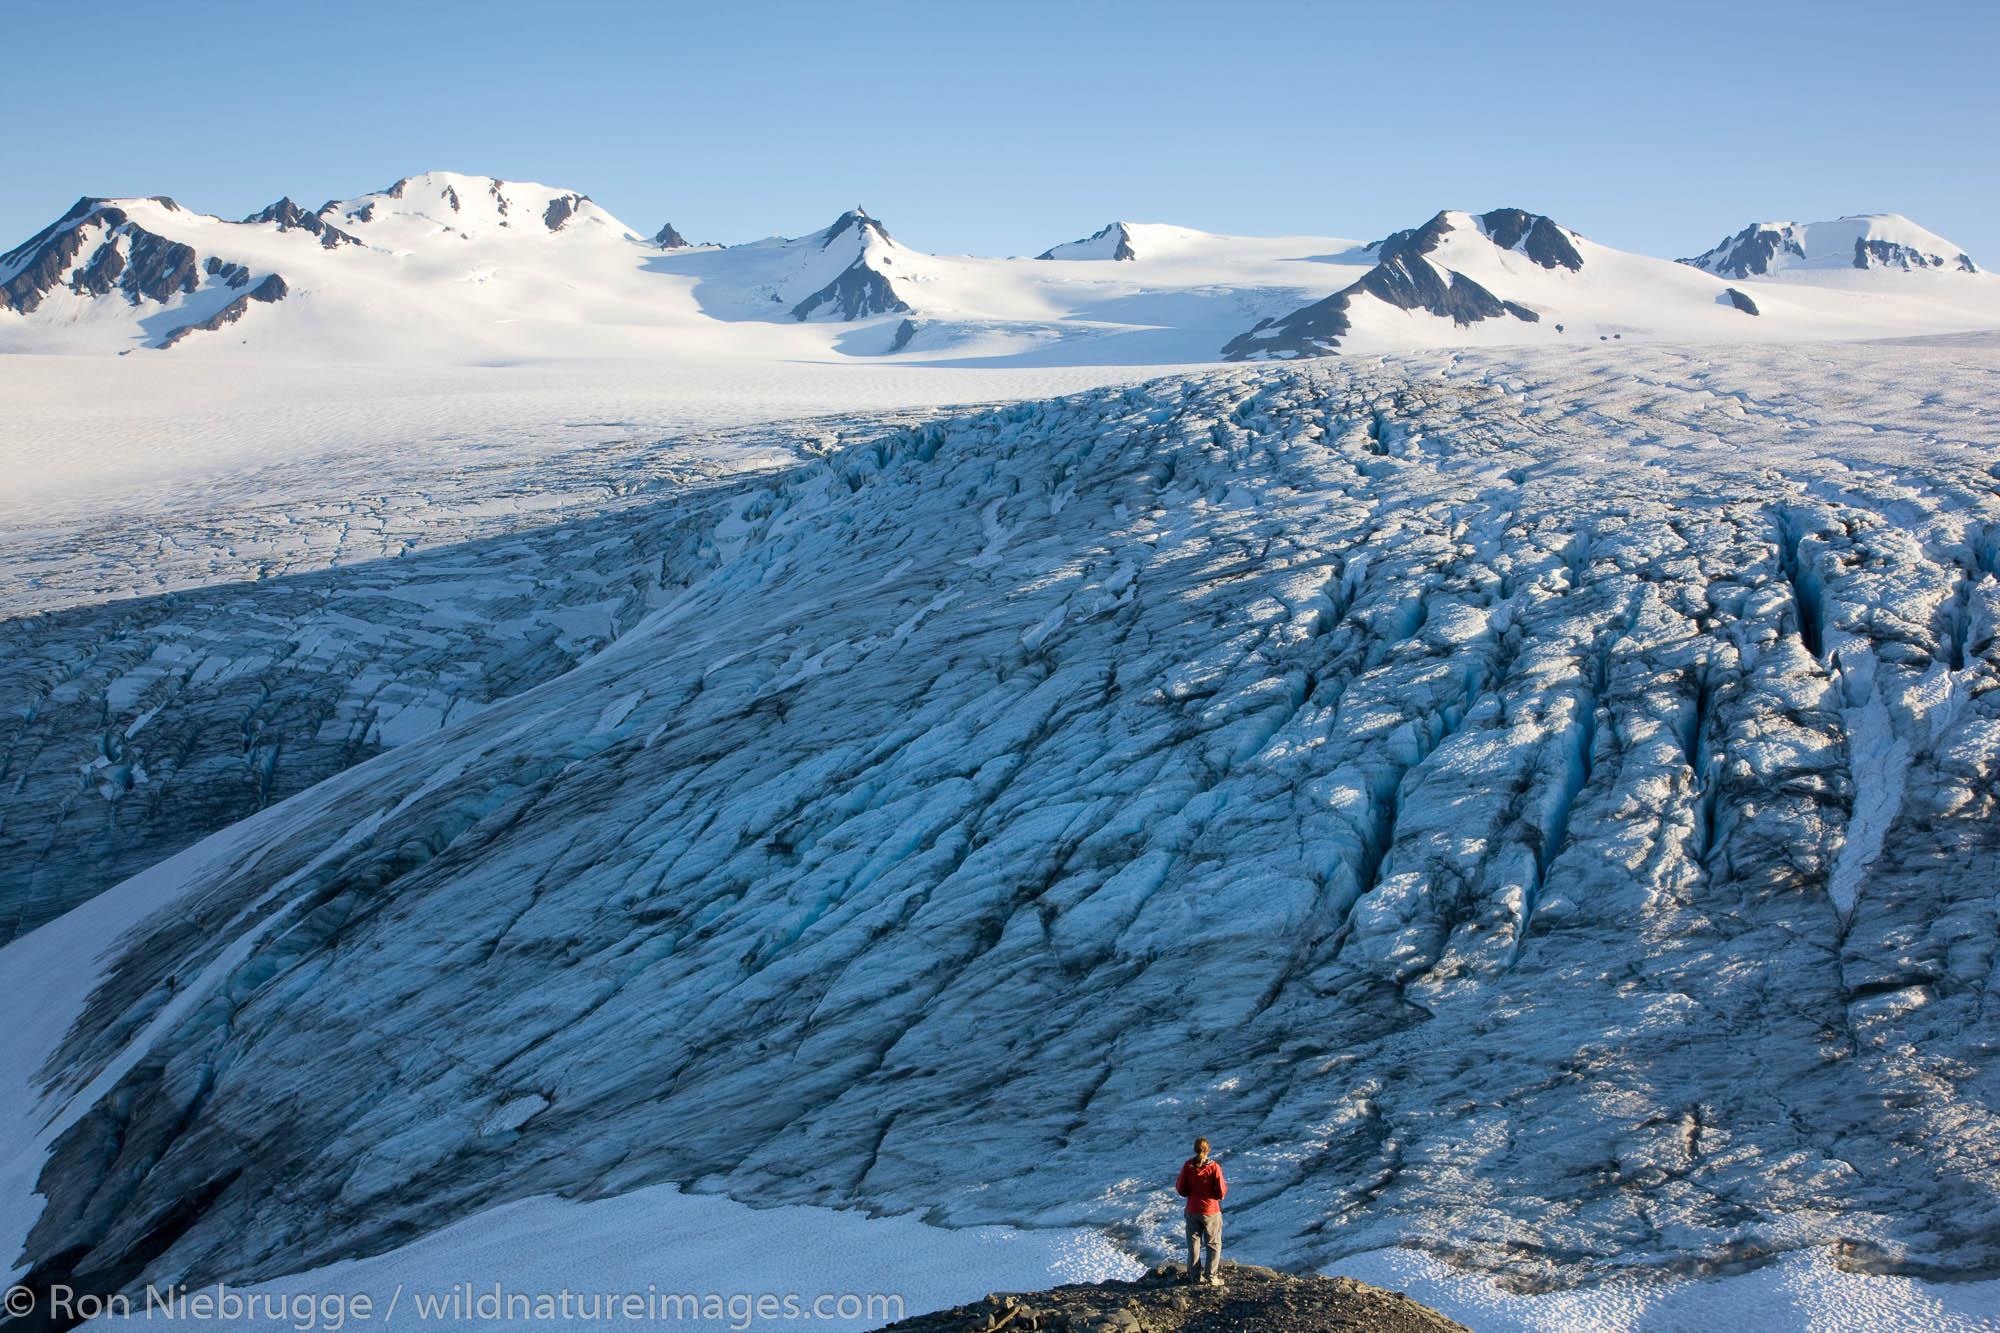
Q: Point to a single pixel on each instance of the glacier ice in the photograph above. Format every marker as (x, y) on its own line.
(1438, 781)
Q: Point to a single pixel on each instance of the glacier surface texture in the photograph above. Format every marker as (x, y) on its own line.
(1539, 810)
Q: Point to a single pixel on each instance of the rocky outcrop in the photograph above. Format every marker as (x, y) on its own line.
(1404, 278)
(1866, 241)
(859, 292)
(1533, 235)
(288, 216)
(861, 289)
(1113, 241)
(1870, 252)
(560, 210)
(97, 248)
(1751, 252)
(1164, 1302)
(1740, 299)
(270, 291)
(666, 238)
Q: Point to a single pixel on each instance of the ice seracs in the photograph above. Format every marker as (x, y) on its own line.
(1577, 768)
(1864, 241)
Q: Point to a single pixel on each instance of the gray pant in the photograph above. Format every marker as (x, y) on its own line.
(1204, 1232)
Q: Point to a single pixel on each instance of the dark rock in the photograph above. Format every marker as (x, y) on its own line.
(288, 216)
(1741, 300)
(1408, 280)
(1748, 253)
(232, 275)
(102, 273)
(1534, 236)
(669, 239)
(561, 209)
(159, 267)
(853, 220)
(1162, 1301)
(861, 290)
(271, 289)
(40, 262)
(857, 293)
(1889, 254)
(1124, 248)
(904, 332)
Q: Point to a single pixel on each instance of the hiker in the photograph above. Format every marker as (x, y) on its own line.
(1202, 1185)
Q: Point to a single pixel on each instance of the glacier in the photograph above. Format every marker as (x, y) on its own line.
(1531, 807)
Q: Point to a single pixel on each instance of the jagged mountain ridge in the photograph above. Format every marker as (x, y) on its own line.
(1112, 241)
(1506, 762)
(1406, 278)
(476, 269)
(1867, 241)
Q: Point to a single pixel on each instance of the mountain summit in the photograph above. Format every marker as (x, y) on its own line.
(1420, 270)
(1865, 241)
(845, 267)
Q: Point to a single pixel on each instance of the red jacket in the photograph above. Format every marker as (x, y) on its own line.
(1203, 1186)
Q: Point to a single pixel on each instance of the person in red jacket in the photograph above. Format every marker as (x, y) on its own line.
(1202, 1185)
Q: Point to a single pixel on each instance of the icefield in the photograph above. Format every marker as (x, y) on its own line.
(1532, 809)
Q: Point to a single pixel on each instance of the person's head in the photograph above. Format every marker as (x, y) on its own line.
(1200, 1150)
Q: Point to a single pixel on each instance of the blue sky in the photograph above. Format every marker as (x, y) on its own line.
(1005, 128)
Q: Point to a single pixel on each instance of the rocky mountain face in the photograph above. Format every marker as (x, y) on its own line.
(1568, 798)
(439, 204)
(857, 254)
(110, 249)
(1162, 1302)
(94, 249)
(288, 216)
(1112, 241)
(1872, 241)
(1406, 277)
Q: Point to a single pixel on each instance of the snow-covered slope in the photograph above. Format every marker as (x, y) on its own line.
(1112, 241)
(1800, 250)
(843, 272)
(445, 268)
(1564, 784)
(1509, 276)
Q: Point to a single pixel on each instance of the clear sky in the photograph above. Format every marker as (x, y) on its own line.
(1005, 128)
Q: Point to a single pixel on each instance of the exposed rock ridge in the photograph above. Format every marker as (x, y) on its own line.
(1252, 1297)
(1116, 234)
(860, 290)
(272, 289)
(1404, 278)
(288, 216)
(1749, 253)
(125, 256)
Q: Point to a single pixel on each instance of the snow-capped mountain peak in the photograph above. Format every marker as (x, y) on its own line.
(288, 216)
(1865, 241)
(1427, 270)
(129, 251)
(842, 271)
(447, 203)
(1112, 241)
